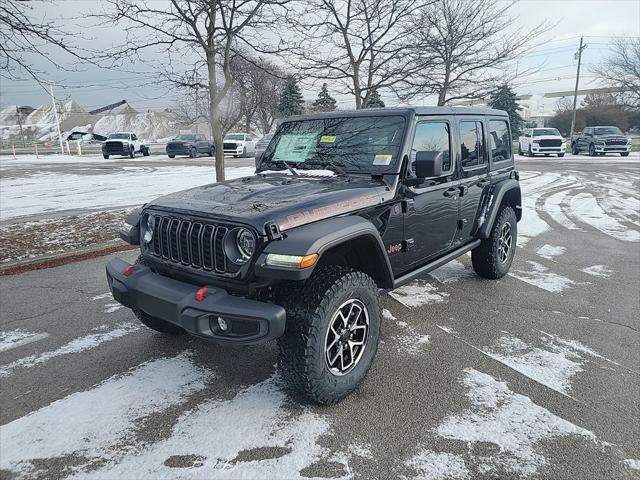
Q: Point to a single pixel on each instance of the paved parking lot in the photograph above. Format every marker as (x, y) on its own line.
(533, 376)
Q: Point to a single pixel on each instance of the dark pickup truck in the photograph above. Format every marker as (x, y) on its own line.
(343, 207)
(600, 141)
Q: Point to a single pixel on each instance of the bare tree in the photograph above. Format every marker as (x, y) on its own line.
(621, 70)
(211, 31)
(25, 35)
(358, 44)
(462, 49)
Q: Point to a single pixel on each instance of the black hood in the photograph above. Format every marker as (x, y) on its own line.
(289, 201)
(608, 136)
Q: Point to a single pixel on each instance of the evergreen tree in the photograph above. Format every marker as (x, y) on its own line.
(374, 100)
(324, 102)
(291, 101)
(505, 99)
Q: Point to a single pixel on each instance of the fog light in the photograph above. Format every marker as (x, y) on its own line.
(222, 323)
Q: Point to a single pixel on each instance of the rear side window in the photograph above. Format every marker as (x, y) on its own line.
(433, 136)
(471, 144)
(500, 140)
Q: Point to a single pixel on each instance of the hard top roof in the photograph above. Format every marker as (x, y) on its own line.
(404, 111)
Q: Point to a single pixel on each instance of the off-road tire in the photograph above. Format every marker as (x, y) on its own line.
(624, 154)
(486, 258)
(310, 308)
(560, 155)
(574, 149)
(106, 157)
(154, 323)
(132, 152)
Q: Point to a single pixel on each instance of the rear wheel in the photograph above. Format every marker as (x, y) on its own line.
(493, 258)
(132, 152)
(332, 334)
(145, 151)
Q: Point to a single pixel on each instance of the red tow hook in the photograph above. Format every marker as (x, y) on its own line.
(128, 271)
(200, 294)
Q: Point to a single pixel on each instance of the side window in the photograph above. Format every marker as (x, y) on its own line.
(133, 137)
(500, 140)
(433, 137)
(472, 144)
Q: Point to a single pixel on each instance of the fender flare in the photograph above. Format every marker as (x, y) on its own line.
(493, 201)
(318, 237)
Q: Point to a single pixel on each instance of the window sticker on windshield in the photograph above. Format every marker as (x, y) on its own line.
(295, 147)
(327, 139)
(382, 159)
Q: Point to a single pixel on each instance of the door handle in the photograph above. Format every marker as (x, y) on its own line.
(483, 183)
(450, 192)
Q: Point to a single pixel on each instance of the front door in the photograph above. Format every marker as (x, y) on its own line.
(474, 172)
(431, 207)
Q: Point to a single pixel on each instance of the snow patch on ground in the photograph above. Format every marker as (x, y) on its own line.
(598, 271)
(74, 346)
(586, 207)
(418, 293)
(218, 431)
(51, 192)
(112, 307)
(550, 251)
(102, 296)
(452, 272)
(432, 465)
(540, 276)
(632, 463)
(555, 206)
(508, 420)
(17, 338)
(92, 424)
(409, 341)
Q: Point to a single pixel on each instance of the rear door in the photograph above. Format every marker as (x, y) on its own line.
(473, 172)
(432, 207)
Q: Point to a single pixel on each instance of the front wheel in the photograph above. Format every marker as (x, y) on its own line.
(574, 149)
(332, 334)
(145, 151)
(624, 154)
(561, 155)
(493, 258)
(211, 152)
(592, 150)
(171, 156)
(529, 152)
(520, 152)
(105, 156)
(132, 152)
(192, 153)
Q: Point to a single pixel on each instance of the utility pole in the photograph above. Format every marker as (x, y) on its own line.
(24, 143)
(578, 54)
(197, 113)
(55, 111)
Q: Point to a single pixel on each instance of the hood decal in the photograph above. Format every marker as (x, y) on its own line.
(339, 208)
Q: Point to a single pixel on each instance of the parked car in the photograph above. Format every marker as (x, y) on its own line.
(541, 141)
(124, 143)
(601, 140)
(239, 144)
(303, 259)
(191, 144)
(261, 145)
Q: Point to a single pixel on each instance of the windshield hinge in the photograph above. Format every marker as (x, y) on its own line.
(273, 230)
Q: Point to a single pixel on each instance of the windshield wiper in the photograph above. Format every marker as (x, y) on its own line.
(290, 168)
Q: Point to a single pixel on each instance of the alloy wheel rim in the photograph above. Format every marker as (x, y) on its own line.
(346, 338)
(504, 242)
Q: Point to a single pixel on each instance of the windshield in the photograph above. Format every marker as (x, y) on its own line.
(545, 131)
(186, 137)
(607, 131)
(353, 144)
(124, 136)
(234, 136)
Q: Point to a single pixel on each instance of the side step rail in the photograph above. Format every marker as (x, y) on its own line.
(407, 277)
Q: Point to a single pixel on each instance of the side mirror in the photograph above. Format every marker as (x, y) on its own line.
(428, 164)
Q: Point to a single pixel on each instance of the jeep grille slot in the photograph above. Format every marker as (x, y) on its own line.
(192, 244)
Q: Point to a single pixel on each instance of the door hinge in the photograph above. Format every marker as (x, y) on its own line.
(272, 230)
(462, 223)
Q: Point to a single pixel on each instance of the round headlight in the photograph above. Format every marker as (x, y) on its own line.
(148, 231)
(246, 243)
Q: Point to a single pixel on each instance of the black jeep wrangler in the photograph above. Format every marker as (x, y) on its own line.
(343, 206)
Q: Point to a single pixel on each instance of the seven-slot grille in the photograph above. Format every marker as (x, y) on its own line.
(616, 141)
(191, 243)
(550, 143)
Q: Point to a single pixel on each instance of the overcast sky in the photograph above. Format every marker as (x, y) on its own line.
(597, 21)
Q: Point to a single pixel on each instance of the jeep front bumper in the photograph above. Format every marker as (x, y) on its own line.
(248, 321)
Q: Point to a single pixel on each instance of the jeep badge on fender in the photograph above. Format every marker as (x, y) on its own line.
(351, 204)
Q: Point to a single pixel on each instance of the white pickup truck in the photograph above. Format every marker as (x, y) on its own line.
(124, 143)
(239, 144)
(536, 141)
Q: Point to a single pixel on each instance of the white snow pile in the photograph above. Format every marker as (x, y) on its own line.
(418, 293)
(432, 465)
(510, 421)
(17, 338)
